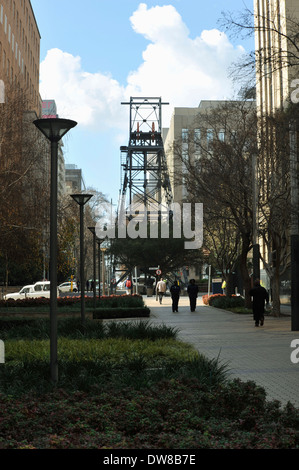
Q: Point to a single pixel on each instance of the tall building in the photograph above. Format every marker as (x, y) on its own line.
(188, 126)
(73, 178)
(277, 72)
(276, 21)
(19, 49)
(181, 121)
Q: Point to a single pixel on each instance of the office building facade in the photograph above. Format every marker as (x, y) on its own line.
(20, 50)
(276, 24)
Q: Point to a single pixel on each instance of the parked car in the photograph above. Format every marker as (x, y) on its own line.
(67, 287)
(39, 289)
(22, 294)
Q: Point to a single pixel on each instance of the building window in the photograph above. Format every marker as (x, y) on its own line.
(185, 135)
(209, 136)
(196, 140)
(221, 135)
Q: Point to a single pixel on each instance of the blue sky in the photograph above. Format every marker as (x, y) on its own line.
(97, 53)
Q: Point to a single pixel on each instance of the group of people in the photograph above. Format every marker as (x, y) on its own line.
(175, 292)
(258, 293)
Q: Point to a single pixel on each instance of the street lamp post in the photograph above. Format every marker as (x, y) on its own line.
(103, 268)
(99, 241)
(294, 228)
(256, 247)
(93, 231)
(82, 199)
(53, 129)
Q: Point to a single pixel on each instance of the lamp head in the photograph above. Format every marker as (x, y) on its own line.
(54, 128)
(81, 198)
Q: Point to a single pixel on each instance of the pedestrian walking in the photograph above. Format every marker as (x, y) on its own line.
(87, 286)
(259, 296)
(161, 289)
(192, 290)
(175, 291)
(128, 286)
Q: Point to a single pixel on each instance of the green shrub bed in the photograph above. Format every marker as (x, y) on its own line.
(129, 385)
(106, 307)
(224, 301)
(110, 301)
(106, 313)
(178, 413)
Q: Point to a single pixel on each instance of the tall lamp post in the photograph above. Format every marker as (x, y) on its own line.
(294, 228)
(256, 246)
(99, 241)
(53, 129)
(82, 199)
(93, 231)
(103, 267)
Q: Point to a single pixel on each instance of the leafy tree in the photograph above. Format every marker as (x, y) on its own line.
(168, 253)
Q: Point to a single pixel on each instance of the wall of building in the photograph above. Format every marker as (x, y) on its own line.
(274, 22)
(182, 118)
(20, 48)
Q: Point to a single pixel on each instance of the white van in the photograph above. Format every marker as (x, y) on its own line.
(39, 289)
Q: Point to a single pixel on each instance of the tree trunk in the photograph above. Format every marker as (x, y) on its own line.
(275, 293)
(245, 276)
(229, 284)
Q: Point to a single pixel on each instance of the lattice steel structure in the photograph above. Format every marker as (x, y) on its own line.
(145, 179)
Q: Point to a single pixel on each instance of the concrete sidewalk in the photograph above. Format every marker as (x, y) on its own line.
(260, 354)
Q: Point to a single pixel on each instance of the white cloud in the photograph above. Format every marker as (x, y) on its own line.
(176, 67)
(91, 99)
(180, 69)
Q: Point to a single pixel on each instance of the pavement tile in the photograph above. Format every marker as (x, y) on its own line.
(260, 354)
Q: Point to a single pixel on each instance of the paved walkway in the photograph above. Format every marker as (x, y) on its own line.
(260, 354)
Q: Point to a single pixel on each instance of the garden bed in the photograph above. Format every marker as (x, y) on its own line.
(129, 385)
(107, 307)
(107, 313)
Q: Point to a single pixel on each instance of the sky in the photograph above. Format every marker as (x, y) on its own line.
(94, 57)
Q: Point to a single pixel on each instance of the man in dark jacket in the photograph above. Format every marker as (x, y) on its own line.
(259, 296)
(192, 290)
(175, 291)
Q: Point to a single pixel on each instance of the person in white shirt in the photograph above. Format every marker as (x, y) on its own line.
(161, 289)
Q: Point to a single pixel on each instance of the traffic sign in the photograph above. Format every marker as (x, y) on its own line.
(158, 272)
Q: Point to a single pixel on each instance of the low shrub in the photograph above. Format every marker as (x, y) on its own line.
(121, 312)
(176, 413)
(118, 390)
(224, 301)
(31, 329)
(105, 301)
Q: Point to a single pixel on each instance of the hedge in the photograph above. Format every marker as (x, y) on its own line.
(106, 313)
(224, 301)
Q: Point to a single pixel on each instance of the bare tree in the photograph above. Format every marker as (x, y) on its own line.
(217, 171)
(23, 183)
(281, 52)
